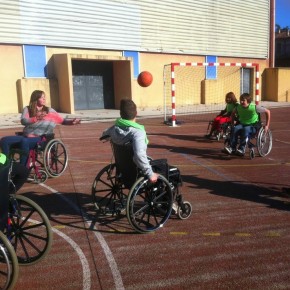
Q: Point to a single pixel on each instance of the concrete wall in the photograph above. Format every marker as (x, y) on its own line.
(58, 86)
(26, 86)
(276, 84)
(11, 69)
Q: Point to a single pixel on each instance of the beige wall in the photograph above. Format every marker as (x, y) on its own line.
(26, 86)
(277, 84)
(11, 69)
(58, 87)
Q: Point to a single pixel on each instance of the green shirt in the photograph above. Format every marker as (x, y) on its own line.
(249, 115)
(230, 107)
(3, 159)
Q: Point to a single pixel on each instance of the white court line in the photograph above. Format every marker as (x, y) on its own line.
(108, 253)
(84, 261)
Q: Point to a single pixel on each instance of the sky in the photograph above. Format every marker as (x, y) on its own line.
(283, 13)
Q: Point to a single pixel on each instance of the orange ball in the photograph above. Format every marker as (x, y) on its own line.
(145, 79)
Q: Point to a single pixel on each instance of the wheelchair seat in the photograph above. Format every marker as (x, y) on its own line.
(124, 163)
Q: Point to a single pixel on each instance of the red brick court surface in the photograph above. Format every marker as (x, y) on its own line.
(238, 236)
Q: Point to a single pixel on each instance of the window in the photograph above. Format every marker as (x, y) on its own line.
(34, 61)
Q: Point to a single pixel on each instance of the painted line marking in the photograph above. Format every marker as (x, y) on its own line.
(178, 233)
(282, 141)
(82, 257)
(211, 234)
(214, 234)
(107, 251)
(273, 234)
(243, 235)
(59, 227)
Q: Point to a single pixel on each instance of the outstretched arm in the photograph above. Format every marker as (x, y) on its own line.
(74, 121)
(268, 117)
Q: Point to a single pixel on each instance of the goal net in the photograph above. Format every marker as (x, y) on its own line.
(196, 92)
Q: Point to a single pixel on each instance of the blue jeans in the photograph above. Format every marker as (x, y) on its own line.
(22, 143)
(244, 132)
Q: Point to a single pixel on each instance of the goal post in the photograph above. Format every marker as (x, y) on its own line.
(189, 92)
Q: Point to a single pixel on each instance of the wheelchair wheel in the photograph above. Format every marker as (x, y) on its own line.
(41, 176)
(184, 211)
(108, 192)
(227, 131)
(55, 158)
(149, 204)
(29, 231)
(8, 264)
(252, 153)
(264, 142)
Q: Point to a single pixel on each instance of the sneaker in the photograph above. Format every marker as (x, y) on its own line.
(208, 136)
(174, 208)
(227, 150)
(240, 152)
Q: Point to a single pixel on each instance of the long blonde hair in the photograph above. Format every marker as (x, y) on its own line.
(32, 108)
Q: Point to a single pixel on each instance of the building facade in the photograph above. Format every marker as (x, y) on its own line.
(87, 55)
(282, 48)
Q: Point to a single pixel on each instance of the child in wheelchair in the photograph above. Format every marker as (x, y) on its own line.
(248, 115)
(127, 131)
(38, 120)
(217, 126)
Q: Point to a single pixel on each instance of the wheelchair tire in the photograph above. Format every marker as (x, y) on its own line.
(108, 193)
(149, 204)
(184, 211)
(55, 158)
(252, 153)
(30, 231)
(264, 142)
(41, 176)
(9, 267)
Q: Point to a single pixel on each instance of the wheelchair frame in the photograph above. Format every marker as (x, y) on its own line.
(48, 159)
(9, 267)
(121, 187)
(27, 238)
(219, 134)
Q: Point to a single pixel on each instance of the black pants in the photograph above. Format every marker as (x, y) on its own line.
(19, 176)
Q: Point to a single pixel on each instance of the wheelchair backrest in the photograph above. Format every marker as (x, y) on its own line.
(125, 165)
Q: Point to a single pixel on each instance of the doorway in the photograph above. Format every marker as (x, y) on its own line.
(246, 80)
(93, 84)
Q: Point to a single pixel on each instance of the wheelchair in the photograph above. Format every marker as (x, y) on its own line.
(219, 133)
(121, 187)
(260, 140)
(48, 159)
(9, 267)
(26, 238)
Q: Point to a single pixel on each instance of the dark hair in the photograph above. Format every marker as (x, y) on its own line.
(232, 96)
(33, 103)
(128, 109)
(246, 96)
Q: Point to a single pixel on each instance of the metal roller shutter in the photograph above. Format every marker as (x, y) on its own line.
(208, 27)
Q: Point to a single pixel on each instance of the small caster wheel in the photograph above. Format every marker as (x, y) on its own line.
(184, 211)
(41, 176)
(252, 153)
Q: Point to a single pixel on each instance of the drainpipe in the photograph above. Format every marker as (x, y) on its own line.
(272, 34)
